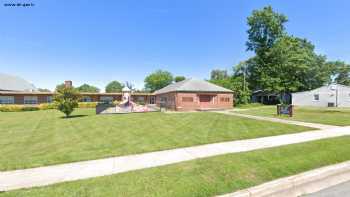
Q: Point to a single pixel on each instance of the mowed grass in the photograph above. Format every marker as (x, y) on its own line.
(31, 139)
(206, 177)
(330, 116)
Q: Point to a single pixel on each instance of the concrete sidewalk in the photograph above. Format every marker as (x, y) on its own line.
(294, 122)
(10, 180)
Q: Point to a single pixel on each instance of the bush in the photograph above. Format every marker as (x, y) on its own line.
(45, 106)
(17, 108)
(66, 99)
(87, 104)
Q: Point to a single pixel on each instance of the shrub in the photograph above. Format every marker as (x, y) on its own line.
(66, 100)
(45, 106)
(17, 108)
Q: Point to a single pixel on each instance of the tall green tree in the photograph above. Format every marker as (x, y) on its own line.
(88, 88)
(341, 72)
(66, 99)
(291, 62)
(218, 74)
(114, 86)
(265, 27)
(282, 63)
(157, 80)
(179, 78)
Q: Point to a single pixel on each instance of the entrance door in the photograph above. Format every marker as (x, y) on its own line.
(206, 101)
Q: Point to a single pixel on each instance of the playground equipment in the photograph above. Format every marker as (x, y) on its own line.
(125, 106)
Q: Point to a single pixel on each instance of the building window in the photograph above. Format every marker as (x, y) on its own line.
(316, 97)
(49, 99)
(30, 100)
(187, 99)
(106, 99)
(86, 99)
(7, 100)
(224, 99)
(152, 100)
(163, 99)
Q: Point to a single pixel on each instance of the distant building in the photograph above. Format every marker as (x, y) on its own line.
(185, 95)
(193, 94)
(14, 90)
(334, 95)
(13, 83)
(269, 98)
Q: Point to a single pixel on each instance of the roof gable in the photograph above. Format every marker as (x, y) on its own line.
(12, 83)
(192, 85)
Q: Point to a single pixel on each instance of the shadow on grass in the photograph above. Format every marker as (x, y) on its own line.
(73, 116)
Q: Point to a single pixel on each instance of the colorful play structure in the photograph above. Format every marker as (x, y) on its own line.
(125, 106)
(128, 106)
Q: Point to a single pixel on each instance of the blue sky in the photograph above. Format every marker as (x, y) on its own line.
(98, 41)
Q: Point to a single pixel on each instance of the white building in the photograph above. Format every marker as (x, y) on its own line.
(326, 96)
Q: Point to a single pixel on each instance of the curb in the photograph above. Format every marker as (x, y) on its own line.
(300, 184)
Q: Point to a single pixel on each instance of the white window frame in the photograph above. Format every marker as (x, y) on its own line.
(30, 100)
(318, 97)
(7, 100)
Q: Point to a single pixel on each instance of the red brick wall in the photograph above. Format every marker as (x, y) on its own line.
(184, 101)
(19, 99)
(204, 101)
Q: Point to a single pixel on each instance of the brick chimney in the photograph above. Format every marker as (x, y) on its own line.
(68, 84)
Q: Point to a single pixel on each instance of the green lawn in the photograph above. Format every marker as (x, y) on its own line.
(331, 116)
(31, 139)
(206, 177)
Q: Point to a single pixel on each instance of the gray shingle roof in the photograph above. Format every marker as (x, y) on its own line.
(192, 85)
(13, 83)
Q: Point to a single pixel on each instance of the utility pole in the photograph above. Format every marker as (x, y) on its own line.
(336, 96)
(244, 73)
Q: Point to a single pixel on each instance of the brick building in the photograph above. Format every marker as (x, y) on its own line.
(193, 94)
(186, 95)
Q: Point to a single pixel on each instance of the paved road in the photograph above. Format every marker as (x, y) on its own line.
(341, 190)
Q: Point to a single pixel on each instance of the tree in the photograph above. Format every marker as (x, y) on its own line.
(265, 27)
(66, 99)
(179, 78)
(340, 72)
(59, 86)
(43, 90)
(114, 86)
(282, 63)
(157, 80)
(88, 88)
(218, 74)
(235, 82)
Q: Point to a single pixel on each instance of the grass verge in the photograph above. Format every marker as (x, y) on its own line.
(31, 139)
(206, 177)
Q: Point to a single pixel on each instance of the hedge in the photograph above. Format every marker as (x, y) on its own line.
(44, 106)
(18, 108)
